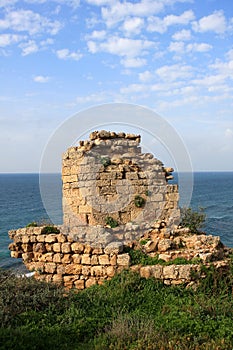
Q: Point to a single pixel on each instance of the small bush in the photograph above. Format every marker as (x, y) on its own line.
(111, 222)
(32, 224)
(105, 161)
(194, 220)
(139, 201)
(50, 229)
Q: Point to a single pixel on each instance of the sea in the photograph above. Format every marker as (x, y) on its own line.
(22, 200)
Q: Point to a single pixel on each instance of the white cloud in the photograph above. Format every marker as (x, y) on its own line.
(177, 46)
(133, 25)
(121, 46)
(72, 3)
(174, 72)
(29, 47)
(229, 133)
(145, 76)
(133, 62)
(119, 11)
(215, 22)
(66, 54)
(41, 79)
(29, 21)
(185, 18)
(8, 39)
(97, 35)
(199, 47)
(156, 24)
(182, 35)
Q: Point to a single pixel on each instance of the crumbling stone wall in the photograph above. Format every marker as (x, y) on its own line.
(104, 177)
(114, 197)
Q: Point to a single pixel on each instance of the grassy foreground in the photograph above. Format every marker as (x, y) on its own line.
(127, 312)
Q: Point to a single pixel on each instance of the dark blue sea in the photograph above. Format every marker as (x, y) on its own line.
(21, 203)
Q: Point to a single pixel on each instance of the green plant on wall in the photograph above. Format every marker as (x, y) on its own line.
(194, 220)
(32, 224)
(50, 229)
(105, 161)
(139, 201)
(111, 222)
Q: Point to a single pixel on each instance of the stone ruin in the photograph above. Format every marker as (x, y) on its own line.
(114, 197)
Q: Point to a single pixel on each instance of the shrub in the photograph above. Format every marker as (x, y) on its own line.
(194, 220)
(139, 201)
(111, 222)
(32, 224)
(105, 161)
(50, 229)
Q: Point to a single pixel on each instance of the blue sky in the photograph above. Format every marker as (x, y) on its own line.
(60, 57)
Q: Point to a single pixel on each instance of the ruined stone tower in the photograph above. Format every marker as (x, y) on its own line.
(108, 181)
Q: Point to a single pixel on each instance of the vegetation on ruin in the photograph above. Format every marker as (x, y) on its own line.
(127, 312)
(105, 161)
(192, 219)
(139, 257)
(139, 201)
(32, 224)
(111, 222)
(50, 229)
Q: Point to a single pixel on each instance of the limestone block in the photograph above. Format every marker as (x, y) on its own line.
(15, 254)
(86, 270)
(97, 250)
(184, 271)
(110, 271)
(164, 245)
(123, 259)
(87, 249)
(157, 271)
(73, 269)
(50, 267)
(57, 279)
(114, 248)
(77, 247)
(47, 257)
(113, 260)
(170, 272)
(33, 239)
(26, 247)
(104, 259)
(57, 258)
(49, 247)
(25, 238)
(86, 259)
(27, 257)
(61, 238)
(40, 238)
(57, 247)
(145, 271)
(151, 246)
(65, 247)
(90, 282)
(94, 260)
(79, 284)
(67, 258)
(51, 238)
(61, 269)
(76, 258)
(97, 271)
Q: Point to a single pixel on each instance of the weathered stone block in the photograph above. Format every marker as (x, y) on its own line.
(73, 269)
(51, 238)
(170, 272)
(76, 258)
(57, 247)
(77, 247)
(90, 282)
(104, 259)
(86, 259)
(123, 260)
(114, 248)
(66, 247)
(145, 271)
(97, 271)
(50, 267)
(57, 258)
(79, 284)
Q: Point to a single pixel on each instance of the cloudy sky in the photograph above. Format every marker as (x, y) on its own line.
(59, 57)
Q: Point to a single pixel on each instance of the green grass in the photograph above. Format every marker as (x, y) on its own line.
(138, 257)
(128, 312)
